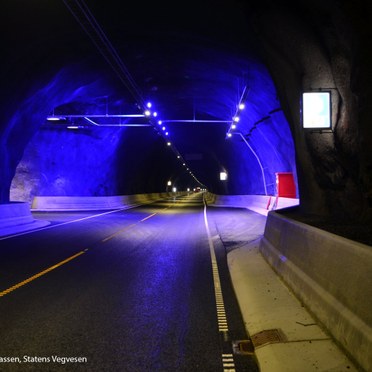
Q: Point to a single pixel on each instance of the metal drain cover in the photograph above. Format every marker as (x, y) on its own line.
(243, 347)
(268, 336)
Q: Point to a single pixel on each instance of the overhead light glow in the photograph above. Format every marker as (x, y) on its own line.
(166, 133)
(241, 106)
(229, 135)
(147, 113)
(155, 114)
(164, 128)
(160, 122)
(236, 119)
(233, 126)
(168, 143)
(148, 104)
(55, 118)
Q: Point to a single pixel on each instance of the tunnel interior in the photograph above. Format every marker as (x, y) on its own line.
(196, 64)
(109, 155)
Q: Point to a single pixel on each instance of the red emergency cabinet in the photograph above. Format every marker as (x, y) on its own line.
(285, 185)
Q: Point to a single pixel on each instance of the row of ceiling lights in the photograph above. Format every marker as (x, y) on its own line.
(236, 118)
(153, 115)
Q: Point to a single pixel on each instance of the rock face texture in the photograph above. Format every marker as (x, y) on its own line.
(306, 46)
(323, 45)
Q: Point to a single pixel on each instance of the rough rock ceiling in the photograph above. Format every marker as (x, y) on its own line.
(194, 62)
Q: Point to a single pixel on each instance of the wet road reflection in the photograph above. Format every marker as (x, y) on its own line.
(140, 296)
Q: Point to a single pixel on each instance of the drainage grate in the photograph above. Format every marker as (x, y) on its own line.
(243, 347)
(268, 336)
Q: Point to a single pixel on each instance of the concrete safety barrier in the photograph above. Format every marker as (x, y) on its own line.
(16, 217)
(15, 213)
(86, 203)
(331, 275)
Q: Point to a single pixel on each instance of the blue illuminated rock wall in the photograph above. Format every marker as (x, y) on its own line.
(67, 162)
(93, 161)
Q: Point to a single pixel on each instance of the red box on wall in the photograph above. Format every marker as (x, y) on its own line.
(285, 185)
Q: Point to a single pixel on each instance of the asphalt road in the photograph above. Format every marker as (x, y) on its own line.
(130, 290)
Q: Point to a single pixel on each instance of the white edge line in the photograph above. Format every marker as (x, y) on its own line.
(68, 222)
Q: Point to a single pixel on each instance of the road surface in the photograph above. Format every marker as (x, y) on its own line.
(142, 289)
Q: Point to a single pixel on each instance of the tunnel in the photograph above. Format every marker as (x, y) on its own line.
(195, 74)
(109, 99)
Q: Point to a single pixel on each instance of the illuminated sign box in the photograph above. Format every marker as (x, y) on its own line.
(223, 176)
(316, 110)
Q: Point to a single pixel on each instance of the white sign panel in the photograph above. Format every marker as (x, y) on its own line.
(223, 176)
(316, 110)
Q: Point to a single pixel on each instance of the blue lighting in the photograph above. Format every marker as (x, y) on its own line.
(55, 118)
(262, 125)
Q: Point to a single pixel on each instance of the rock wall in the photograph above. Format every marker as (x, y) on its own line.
(320, 45)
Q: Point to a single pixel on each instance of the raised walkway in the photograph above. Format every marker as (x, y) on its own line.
(305, 294)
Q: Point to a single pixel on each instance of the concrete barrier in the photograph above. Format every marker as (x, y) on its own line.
(258, 203)
(16, 217)
(15, 213)
(331, 275)
(87, 203)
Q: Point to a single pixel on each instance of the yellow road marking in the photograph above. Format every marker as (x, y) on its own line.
(146, 218)
(16, 286)
(126, 228)
(118, 232)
